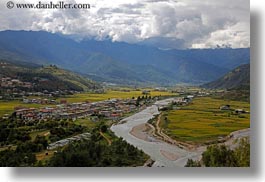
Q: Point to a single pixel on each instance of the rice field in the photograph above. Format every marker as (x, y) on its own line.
(203, 121)
(7, 107)
(92, 97)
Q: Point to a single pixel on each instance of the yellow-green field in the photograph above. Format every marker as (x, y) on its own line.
(110, 95)
(203, 121)
(41, 156)
(85, 122)
(7, 107)
(34, 134)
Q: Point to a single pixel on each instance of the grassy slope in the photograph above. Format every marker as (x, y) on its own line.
(237, 78)
(68, 77)
(85, 122)
(62, 78)
(202, 120)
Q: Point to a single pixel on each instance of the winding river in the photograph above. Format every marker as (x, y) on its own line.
(162, 153)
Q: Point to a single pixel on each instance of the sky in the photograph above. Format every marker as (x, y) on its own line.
(167, 24)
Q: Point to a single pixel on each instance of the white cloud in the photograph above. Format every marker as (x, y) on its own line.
(191, 23)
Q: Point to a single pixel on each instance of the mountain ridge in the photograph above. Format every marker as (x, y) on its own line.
(238, 78)
(120, 62)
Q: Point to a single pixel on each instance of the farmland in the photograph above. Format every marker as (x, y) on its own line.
(7, 107)
(202, 121)
(110, 94)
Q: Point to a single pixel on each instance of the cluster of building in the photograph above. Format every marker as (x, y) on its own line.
(39, 101)
(176, 103)
(43, 101)
(111, 109)
(8, 82)
(236, 111)
(182, 101)
(61, 143)
(13, 88)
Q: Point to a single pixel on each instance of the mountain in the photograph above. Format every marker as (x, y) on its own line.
(239, 78)
(42, 78)
(120, 62)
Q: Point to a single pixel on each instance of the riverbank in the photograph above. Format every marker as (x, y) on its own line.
(136, 131)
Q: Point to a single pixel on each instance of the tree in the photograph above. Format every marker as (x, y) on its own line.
(222, 156)
(41, 140)
(219, 156)
(98, 154)
(242, 153)
(138, 101)
(192, 163)
(103, 128)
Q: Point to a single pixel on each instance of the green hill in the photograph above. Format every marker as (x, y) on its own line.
(49, 78)
(236, 83)
(239, 78)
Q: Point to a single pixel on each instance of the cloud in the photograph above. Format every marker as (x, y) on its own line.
(181, 23)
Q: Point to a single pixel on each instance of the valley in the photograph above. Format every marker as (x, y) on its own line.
(185, 124)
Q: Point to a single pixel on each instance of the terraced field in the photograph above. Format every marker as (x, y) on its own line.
(203, 121)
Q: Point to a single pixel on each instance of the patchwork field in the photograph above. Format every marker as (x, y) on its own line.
(111, 95)
(203, 121)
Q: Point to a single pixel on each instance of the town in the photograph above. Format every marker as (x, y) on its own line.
(111, 109)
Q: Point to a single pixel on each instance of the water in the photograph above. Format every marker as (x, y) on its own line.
(153, 149)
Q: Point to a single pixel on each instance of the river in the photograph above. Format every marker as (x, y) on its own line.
(162, 153)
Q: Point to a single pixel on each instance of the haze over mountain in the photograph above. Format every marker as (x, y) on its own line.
(120, 62)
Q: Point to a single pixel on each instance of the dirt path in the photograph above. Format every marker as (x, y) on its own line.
(106, 138)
